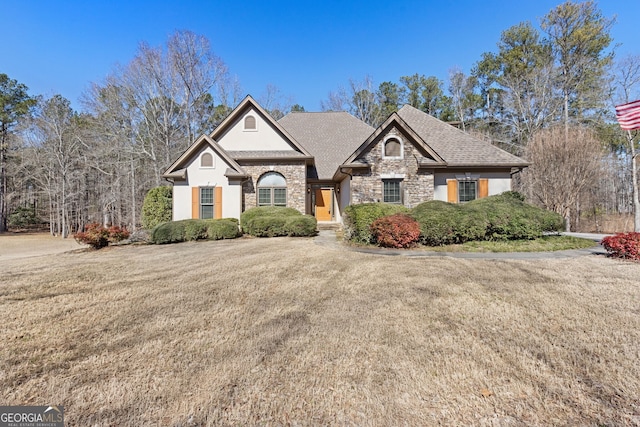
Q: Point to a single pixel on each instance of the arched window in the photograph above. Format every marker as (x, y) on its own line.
(206, 160)
(392, 148)
(250, 123)
(272, 190)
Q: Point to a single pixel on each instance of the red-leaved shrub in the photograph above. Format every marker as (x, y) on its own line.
(623, 245)
(97, 236)
(396, 231)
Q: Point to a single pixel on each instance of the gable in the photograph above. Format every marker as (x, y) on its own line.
(394, 129)
(191, 162)
(262, 137)
(249, 128)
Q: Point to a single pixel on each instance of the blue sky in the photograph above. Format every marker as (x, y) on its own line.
(305, 48)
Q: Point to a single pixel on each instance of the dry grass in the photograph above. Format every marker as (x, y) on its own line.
(286, 332)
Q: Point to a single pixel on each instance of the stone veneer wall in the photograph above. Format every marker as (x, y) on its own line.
(417, 186)
(294, 173)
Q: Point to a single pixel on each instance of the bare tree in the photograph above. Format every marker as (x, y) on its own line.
(562, 168)
(361, 99)
(56, 143)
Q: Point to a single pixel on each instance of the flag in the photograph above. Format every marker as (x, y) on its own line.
(628, 115)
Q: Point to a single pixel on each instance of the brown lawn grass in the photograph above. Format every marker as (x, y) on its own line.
(285, 332)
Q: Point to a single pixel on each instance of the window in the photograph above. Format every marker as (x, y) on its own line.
(206, 202)
(391, 191)
(467, 191)
(206, 160)
(272, 190)
(392, 148)
(250, 123)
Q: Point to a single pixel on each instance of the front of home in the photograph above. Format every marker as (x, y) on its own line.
(319, 163)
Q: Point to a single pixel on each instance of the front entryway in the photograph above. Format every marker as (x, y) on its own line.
(324, 204)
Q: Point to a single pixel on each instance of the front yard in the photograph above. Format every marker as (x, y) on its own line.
(286, 332)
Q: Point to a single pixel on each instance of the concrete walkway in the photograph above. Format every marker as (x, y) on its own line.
(327, 238)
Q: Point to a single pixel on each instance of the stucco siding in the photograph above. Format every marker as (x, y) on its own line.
(263, 138)
(206, 177)
(499, 182)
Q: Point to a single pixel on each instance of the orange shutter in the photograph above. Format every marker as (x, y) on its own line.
(452, 191)
(195, 202)
(483, 188)
(218, 203)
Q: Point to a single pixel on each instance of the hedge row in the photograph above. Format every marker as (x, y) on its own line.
(502, 217)
(195, 229)
(269, 221)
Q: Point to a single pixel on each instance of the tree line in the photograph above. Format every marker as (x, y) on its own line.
(545, 94)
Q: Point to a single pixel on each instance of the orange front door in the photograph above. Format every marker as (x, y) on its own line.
(323, 204)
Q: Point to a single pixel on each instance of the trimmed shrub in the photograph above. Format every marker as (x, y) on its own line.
(396, 231)
(272, 221)
(195, 229)
(251, 213)
(443, 223)
(301, 226)
(169, 232)
(502, 217)
(97, 236)
(157, 206)
(508, 217)
(357, 219)
(267, 226)
(226, 228)
(623, 245)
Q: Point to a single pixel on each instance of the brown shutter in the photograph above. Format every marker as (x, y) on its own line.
(452, 191)
(483, 188)
(195, 202)
(218, 203)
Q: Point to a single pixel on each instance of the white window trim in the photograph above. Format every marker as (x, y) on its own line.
(213, 161)
(384, 144)
(244, 123)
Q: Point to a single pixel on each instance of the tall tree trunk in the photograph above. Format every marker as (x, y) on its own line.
(3, 179)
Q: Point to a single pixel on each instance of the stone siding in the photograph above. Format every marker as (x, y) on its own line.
(417, 186)
(294, 174)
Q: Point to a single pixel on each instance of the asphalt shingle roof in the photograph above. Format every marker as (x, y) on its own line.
(453, 145)
(331, 137)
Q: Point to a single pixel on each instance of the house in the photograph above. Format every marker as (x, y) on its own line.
(319, 163)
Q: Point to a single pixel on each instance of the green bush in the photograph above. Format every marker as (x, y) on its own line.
(22, 217)
(157, 207)
(169, 232)
(508, 217)
(226, 228)
(441, 223)
(195, 229)
(262, 211)
(272, 221)
(267, 226)
(301, 226)
(502, 217)
(357, 219)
